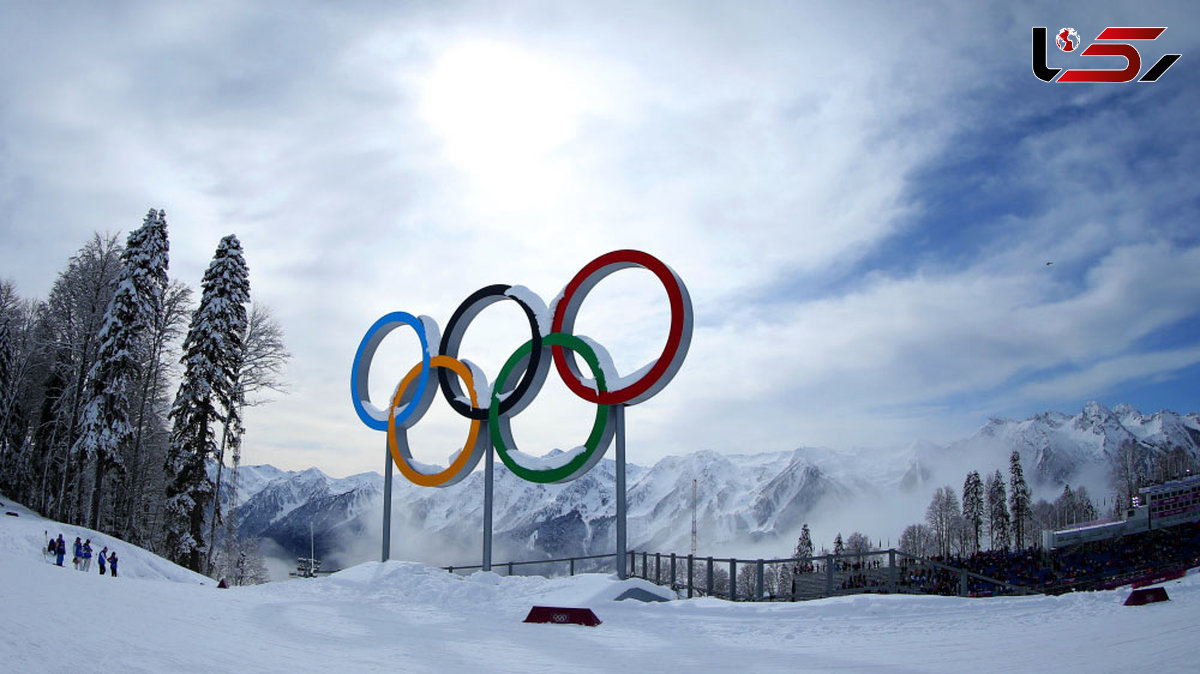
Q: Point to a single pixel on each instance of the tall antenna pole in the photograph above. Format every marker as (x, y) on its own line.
(693, 518)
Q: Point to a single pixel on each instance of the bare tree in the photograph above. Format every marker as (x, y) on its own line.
(1130, 466)
(918, 540)
(941, 515)
(73, 317)
(141, 501)
(263, 362)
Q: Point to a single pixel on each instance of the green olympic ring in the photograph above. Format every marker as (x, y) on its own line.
(581, 459)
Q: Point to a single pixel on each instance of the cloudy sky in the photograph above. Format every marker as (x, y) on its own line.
(862, 198)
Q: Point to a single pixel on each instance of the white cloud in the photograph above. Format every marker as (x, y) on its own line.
(775, 156)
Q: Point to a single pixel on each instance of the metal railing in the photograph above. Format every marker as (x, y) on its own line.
(800, 578)
(786, 579)
(553, 567)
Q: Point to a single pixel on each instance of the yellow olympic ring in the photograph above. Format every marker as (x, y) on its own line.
(402, 455)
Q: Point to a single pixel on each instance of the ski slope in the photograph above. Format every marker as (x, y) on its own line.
(405, 617)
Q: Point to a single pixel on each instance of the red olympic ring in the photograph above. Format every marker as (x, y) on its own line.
(678, 339)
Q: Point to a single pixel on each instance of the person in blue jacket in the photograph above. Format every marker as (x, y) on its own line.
(112, 563)
(102, 559)
(60, 550)
(87, 555)
(77, 553)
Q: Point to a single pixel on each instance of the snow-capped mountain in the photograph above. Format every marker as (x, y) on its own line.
(1056, 448)
(740, 500)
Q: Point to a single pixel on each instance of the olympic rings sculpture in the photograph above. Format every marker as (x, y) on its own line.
(551, 336)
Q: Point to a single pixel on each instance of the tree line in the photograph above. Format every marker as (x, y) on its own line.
(993, 514)
(90, 433)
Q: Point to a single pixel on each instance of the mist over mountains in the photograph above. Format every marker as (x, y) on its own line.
(748, 504)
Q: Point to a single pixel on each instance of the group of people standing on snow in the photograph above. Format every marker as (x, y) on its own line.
(82, 560)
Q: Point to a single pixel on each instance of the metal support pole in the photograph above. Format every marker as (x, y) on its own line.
(829, 575)
(387, 503)
(619, 411)
(892, 571)
(658, 568)
(689, 577)
(488, 465)
(732, 579)
(673, 575)
(710, 576)
(759, 581)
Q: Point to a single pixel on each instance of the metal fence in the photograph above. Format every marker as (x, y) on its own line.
(546, 567)
(789, 579)
(799, 578)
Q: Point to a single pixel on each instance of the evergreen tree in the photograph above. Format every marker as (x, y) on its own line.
(105, 427)
(1073, 507)
(997, 509)
(1020, 501)
(213, 352)
(839, 547)
(972, 507)
(804, 546)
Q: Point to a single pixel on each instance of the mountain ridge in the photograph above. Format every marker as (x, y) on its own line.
(742, 501)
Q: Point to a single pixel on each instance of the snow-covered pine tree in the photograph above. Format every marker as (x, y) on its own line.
(212, 353)
(1020, 501)
(105, 424)
(839, 546)
(997, 509)
(972, 507)
(804, 548)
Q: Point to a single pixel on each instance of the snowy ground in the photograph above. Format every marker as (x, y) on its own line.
(403, 617)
